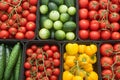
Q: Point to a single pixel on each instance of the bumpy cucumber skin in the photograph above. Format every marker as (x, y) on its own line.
(70, 3)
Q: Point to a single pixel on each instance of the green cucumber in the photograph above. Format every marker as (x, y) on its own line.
(12, 77)
(12, 61)
(44, 2)
(2, 61)
(52, 6)
(58, 2)
(70, 3)
(17, 67)
(8, 51)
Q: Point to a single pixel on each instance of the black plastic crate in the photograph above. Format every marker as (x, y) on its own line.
(75, 19)
(96, 66)
(40, 44)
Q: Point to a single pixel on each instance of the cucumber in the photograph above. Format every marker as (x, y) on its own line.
(52, 6)
(2, 61)
(7, 54)
(44, 2)
(58, 2)
(42, 19)
(52, 33)
(70, 3)
(17, 67)
(12, 77)
(12, 61)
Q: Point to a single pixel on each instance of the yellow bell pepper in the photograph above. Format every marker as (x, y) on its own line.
(77, 78)
(93, 59)
(64, 55)
(66, 67)
(71, 48)
(92, 76)
(81, 48)
(94, 48)
(70, 61)
(83, 59)
(88, 67)
(67, 75)
(81, 73)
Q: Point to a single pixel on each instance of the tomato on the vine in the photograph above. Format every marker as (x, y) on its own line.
(27, 65)
(29, 35)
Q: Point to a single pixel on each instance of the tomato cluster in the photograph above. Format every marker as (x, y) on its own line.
(17, 19)
(99, 19)
(110, 61)
(42, 63)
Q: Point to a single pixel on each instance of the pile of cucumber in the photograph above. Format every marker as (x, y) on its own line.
(10, 60)
(57, 19)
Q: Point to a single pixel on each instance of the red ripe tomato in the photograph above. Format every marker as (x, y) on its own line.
(56, 71)
(85, 5)
(1, 13)
(33, 2)
(27, 73)
(22, 29)
(29, 52)
(56, 55)
(23, 21)
(10, 22)
(105, 34)
(28, 78)
(31, 17)
(4, 34)
(34, 56)
(46, 47)
(117, 72)
(103, 4)
(84, 24)
(106, 62)
(25, 5)
(30, 26)
(4, 17)
(114, 8)
(34, 47)
(9, 9)
(16, 16)
(56, 62)
(115, 35)
(114, 17)
(39, 75)
(19, 9)
(49, 52)
(116, 58)
(108, 73)
(27, 65)
(94, 35)
(19, 35)
(115, 1)
(33, 9)
(93, 14)
(29, 35)
(54, 48)
(25, 13)
(47, 63)
(106, 49)
(41, 68)
(116, 47)
(38, 51)
(102, 13)
(4, 6)
(93, 5)
(115, 26)
(84, 34)
(4, 26)
(49, 71)
(15, 2)
(83, 13)
(12, 30)
(94, 25)
(53, 77)
(104, 24)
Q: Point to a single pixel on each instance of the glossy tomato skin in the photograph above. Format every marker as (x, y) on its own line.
(116, 58)
(105, 34)
(106, 49)
(103, 4)
(115, 26)
(46, 47)
(54, 48)
(27, 73)
(84, 34)
(94, 35)
(85, 5)
(84, 24)
(4, 17)
(49, 52)
(116, 47)
(30, 26)
(25, 5)
(114, 17)
(83, 13)
(23, 21)
(102, 13)
(56, 71)
(94, 25)
(106, 72)
(33, 9)
(4, 6)
(56, 55)
(92, 14)
(56, 62)
(22, 29)
(114, 8)
(19, 35)
(106, 62)
(12, 30)
(29, 52)
(31, 17)
(4, 26)
(53, 77)
(4, 34)
(115, 35)
(93, 5)
(27, 65)
(25, 13)
(29, 35)
(33, 2)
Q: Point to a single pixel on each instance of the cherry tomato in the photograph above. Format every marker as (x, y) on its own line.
(46, 47)
(94, 25)
(10, 9)
(49, 71)
(84, 24)
(103, 4)
(104, 24)
(27, 65)
(4, 34)
(115, 26)
(49, 53)
(19, 9)
(38, 51)
(116, 58)
(56, 71)
(34, 47)
(33, 2)
(12, 30)
(25, 5)
(54, 48)
(83, 34)
(19, 35)
(31, 17)
(103, 13)
(27, 73)
(4, 6)
(4, 17)
(33, 9)
(115, 35)
(29, 35)
(30, 26)
(94, 35)
(105, 34)
(107, 73)
(56, 55)
(23, 21)
(56, 62)
(116, 47)
(29, 52)
(83, 13)
(47, 63)
(41, 68)
(10, 22)
(83, 5)
(4, 26)
(117, 72)
(28, 78)
(22, 29)
(25, 13)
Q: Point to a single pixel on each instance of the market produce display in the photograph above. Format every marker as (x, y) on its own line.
(57, 19)
(17, 19)
(79, 60)
(42, 62)
(110, 61)
(99, 19)
(10, 61)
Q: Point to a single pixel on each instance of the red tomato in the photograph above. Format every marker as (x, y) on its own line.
(29, 52)
(19, 9)
(34, 56)
(30, 26)
(115, 35)
(107, 73)
(115, 1)
(56, 55)
(38, 51)
(15, 2)
(4, 26)
(114, 8)
(27, 73)
(56, 62)
(54, 48)
(4, 34)
(28, 78)
(23, 21)
(27, 65)
(41, 68)
(117, 72)
(46, 47)
(33, 9)
(31, 17)
(56, 71)
(34, 47)
(49, 71)
(1, 13)
(4, 17)
(94, 25)
(94, 35)
(47, 63)
(25, 5)
(84, 24)
(25, 13)
(39, 75)
(115, 26)
(116, 47)
(93, 5)
(49, 52)
(12, 30)
(33, 2)
(114, 17)
(22, 29)
(83, 5)
(106, 62)
(83, 34)
(105, 34)
(83, 13)
(29, 35)
(10, 22)
(103, 13)
(19, 35)
(33, 68)
(106, 49)
(116, 59)
(103, 4)
(9, 9)
(4, 6)
(53, 77)
(93, 14)
(104, 24)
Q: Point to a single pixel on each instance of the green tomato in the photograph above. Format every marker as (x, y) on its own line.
(43, 9)
(72, 10)
(54, 15)
(44, 33)
(48, 24)
(63, 8)
(58, 25)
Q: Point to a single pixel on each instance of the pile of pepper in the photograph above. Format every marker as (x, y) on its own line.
(78, 62)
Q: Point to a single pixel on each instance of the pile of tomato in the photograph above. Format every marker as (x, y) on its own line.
(17, 19)
(99, 19)
(42, 62)
(110, 61)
